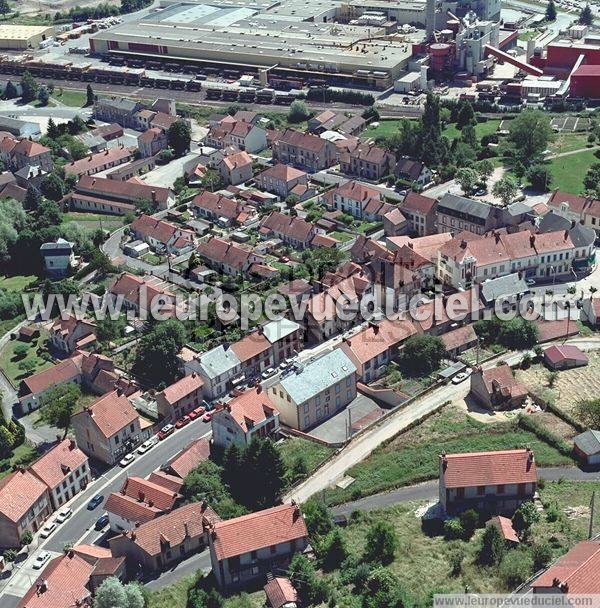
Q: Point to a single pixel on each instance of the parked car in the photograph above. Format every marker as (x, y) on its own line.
(530, 282)
(207, 417)
(63, 515)
(149, 443)
(95, 501)
(48, 529)
(41, 559)
(199, 411)
(182, 422)
(127, 460)
(268, 373)
(193, 415)
(101, 522)
(461, 377)
(166, 430)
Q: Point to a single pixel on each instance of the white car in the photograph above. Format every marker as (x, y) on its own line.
(48, 529)
(41, 559)
(63, 515)
(461, 377)
(149, 443)
(127, 460)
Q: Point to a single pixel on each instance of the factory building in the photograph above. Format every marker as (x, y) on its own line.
(585, 82)
(23, 37)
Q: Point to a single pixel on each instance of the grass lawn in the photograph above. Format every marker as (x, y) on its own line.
(153, 259)
(173, 596)
(16, 283)
(74, 99)
(412, 457)
(9, 362)
(568, 142)
(92, 221)
(23, 454)
(313, 453)
(569, 171)
(385, 128)
(343, 237)
(481, 129)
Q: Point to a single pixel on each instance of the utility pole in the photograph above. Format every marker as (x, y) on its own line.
(592, 503)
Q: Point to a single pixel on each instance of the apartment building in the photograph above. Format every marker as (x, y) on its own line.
(367, 161)
(421, 213)
(303, 151)
(315, 390)
(360, 201)
(179, 398)
(281, 179)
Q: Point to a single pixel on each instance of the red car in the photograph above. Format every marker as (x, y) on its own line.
(207, 417)
(198, 411)
(166, 431)
(193, 415)
(182, 422)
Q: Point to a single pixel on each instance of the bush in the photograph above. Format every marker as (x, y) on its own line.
(541, 432)
(469, 520)
(456, 560)
(453, 529)
(381, 543)
(552, 512)
(542, 555)
(516, 567)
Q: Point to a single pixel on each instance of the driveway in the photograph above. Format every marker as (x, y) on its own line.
(165, 175)
(335, 430)
(191, 565)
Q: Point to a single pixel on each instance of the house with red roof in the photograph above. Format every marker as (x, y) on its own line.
(180, 398)
(293, 231)
(138, 501)
(24, 506)
(572, 575)
(236, 168)
(497, 388)
(229, 258)
(360, 201)
(494, 482)
(70, 580)
(421, 213)
(304, 151)
(367, 161)
(16, 154)
(162, 236)
(109, 428)
(281, 179)
(246, 548)
(140, 293)
(504, 524)
(188, 459)
(251, 414)
(223, 210)
(373, 348)
(101, 161)
(71, 334)
(155, 545)
(65, 471)
(151, 142)
(564, 356)
(242, 134)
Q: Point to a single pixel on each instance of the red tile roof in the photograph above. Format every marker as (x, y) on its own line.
(219, 205)
(506, 528)
(459, 337)
(292, 227)
(97, 162)
(190, 457)
(489, 468)
(149, 492)
(251, 408)
(171, 529)
(64, 371)
(281, 172)
(252, 345)
(182, 388)
(303, 141)
(58, 463)
(223, 252)
(576, 572)
(110, 413)
(64, 583)
(19, 491)
(553, 330)
(565, 352)
(130, 509)
(167, 481)
(258, 530)
(132, 191)
(502, 378)
(418, 203)
(280, 592)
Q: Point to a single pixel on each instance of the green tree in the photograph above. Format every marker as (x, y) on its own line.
(318, 517)
(381, 543)
(156, 356)
(516, 567)
(591, 181)
(541, 554)
(485, 169)
(468, 179)
(524, 517)
(4, 7)
(52, 131)
(108, 329)
(298, 111)
(112, 593)
(311, 590)
(423, 354)
(456, 558)
(518, 333)
(53, 187)
(492, 546)
(90, 97)
(383, 590)
(32, 197)
(43, 95)
(586, 16)
(26, 538)
(10, 92)
(540, 177)
(469, 521)
(29, 87)
(432, 147)
(588, 411)
(551, 11)
(179, 137)
(505, 189)
(530, 133)
(333, 550)
(466, 115)
(6, 442)
(58, 404)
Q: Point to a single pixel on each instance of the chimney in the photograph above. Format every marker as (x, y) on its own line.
(443, 460)
(72, 443)
(185, 527)
(566, 234)
(532, 240)
(133, 535)
(259, 389)
(154, 197)
(141, 496)
(463, 244)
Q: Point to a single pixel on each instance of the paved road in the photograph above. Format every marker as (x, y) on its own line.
(80, 527)
(429, 490)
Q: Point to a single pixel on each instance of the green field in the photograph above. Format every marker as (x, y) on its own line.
(16, 283)
(412, 457)
(569, 171)
(569, 142)
(9, 362)
(385, 128)
(312, 453)
(22, 455)
(74, 99)
(481, 129)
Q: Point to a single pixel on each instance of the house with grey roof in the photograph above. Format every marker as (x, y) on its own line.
(508, 289)
(218, 368)
(314, 390)
(58, 257)
(587, 447)
(583, 238)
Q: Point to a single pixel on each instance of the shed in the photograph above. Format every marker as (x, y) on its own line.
(587, 447)
(564, 356)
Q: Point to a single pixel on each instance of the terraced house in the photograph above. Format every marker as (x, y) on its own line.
(367, 161)
(304, 151)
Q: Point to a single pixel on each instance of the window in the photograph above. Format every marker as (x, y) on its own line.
(337, 388)
(273, 549)
(480, 490)
(500, 488)
(253, 555)
(131, 427)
